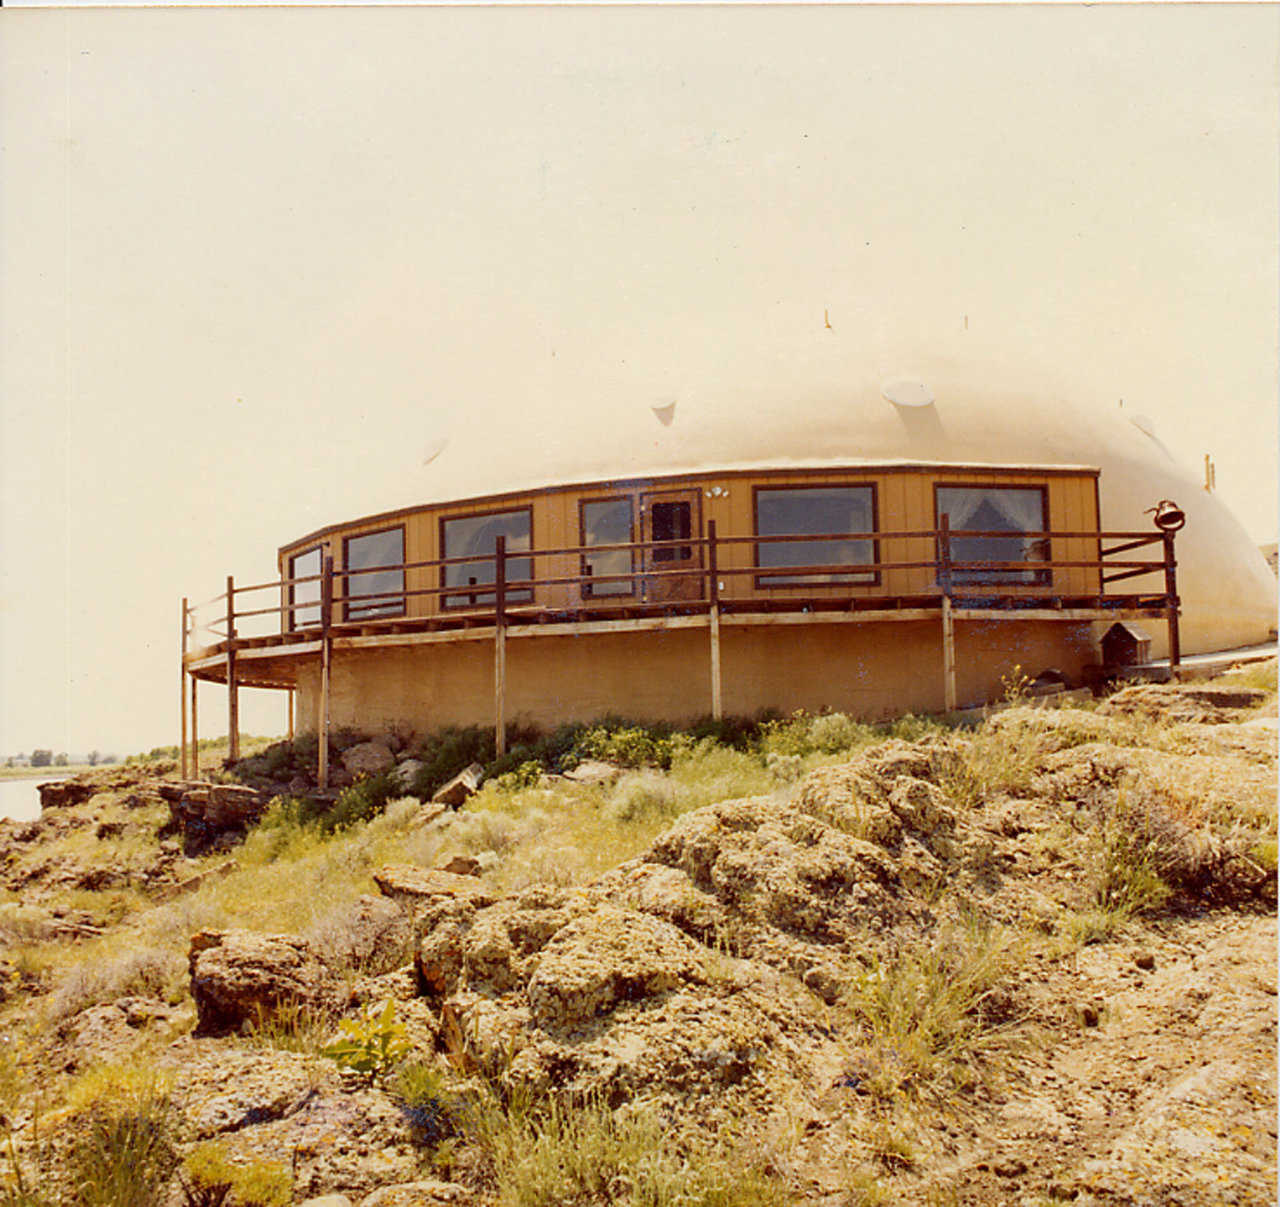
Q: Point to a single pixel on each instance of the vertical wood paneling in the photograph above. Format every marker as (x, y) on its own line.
(904, 502)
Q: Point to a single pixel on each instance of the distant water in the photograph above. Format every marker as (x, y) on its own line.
(19, 798)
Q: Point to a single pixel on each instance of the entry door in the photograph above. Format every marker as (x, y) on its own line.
(671, 515)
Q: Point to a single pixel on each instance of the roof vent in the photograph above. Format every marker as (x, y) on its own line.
(908, 393)
(665, 412)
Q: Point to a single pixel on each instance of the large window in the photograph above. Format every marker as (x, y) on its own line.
(475, 537)
(607, 522)
(371, 588)
(1013, 510)
(815, 511)
(304, 598)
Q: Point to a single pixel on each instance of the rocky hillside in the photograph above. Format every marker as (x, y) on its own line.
(1030, 962)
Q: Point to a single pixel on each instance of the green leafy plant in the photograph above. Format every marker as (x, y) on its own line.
(371, 1043)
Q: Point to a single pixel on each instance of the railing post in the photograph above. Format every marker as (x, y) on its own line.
(182, 687)
(322, 720)
(233, 694)
(713, 594)
(500, 647)
(948, 625)
(195, 732)
(1171, 602)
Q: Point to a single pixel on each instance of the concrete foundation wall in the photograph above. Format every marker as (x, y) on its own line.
(871, 671)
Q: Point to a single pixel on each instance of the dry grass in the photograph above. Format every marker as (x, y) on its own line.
(555, 1155)
(936, 1017)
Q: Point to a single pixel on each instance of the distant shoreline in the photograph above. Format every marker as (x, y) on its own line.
(48, 773)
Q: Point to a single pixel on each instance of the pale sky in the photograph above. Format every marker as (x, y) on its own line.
(254, 262)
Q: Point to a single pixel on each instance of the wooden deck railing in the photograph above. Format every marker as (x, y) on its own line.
(702, 574)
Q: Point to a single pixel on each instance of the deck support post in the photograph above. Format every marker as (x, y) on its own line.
(326, 654)
(182, 688)
(948, 624)
(713, 593)
(290, 693)
(500, 647)
(1171, 603)
(233, 691)
(195, 732)
(948, 657)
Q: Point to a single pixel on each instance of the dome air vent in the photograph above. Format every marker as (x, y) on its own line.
(908, 393)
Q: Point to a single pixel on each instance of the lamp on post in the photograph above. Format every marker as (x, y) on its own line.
(1169, 518)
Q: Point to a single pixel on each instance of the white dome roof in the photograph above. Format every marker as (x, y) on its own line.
(813, 407)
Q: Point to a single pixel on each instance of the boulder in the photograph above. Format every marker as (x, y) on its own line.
(462, 785)
(406, 772)
(428, 813)
(412, 884)
(462, 865)
(368, 758)
(593, 772)
(238, 977)
(609, 956)
(418, 1194)
(65, 793)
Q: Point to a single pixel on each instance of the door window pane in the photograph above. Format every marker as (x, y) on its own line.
(1003, 509)
(304, 565)
(476, 537)
(672, 522)
(815, 511)
(607, 522)
(366, 554)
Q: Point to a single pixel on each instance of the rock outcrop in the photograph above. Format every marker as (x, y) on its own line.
(1202, 702)
(239, 977)
(209, 816)
(63, 794)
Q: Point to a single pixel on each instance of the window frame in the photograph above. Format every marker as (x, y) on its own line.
(295, 626)
(386, 609)
(448, 590)
(1041, 576)
(766, 578)
(585, 586)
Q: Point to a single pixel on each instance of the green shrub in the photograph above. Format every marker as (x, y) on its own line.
(624, 746)
(527, 775)
(370, 1043)
(804, 733)
(362, 801)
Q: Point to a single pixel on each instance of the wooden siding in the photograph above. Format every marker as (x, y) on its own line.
(904, 502)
